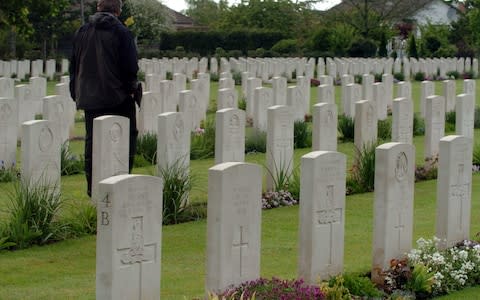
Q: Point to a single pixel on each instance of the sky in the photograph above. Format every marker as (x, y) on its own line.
(180, 5)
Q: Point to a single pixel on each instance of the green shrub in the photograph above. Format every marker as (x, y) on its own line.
(301, 135)
(294, 185)
(476, 123)
(361, 286)
(428, 171)
(70, 163)
(203, 142)
(476, 154)
(214, 77)
(286, 46)
(453, 74)
(281, 175)
(363, 47)
(255, 141)
(363, 169)
(419, 76)
(384, 129)
(237, 77)
(147, 147)
(399, 76)
(242, 104)
(358, 79)
(418, 125)
(177, 183)
(32, 212)
(346, 127)
(8, 173)
(82, 221)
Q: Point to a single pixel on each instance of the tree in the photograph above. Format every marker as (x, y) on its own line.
(14, 21)
(412, 46)
(145, 18)
(206, 12)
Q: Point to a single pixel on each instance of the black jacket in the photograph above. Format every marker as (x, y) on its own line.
(103, 66)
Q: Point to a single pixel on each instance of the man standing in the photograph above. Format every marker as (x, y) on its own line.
(103, 74)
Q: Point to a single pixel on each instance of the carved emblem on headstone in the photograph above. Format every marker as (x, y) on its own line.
(401, 166)
(45, 139)
(5, 112)
(115, 132)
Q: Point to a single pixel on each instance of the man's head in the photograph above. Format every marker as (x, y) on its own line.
(110, 6)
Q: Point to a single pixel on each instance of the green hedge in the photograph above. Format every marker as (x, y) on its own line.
(205, 43)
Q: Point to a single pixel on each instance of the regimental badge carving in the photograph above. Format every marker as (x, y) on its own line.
(45, 139)
(115, 132)
(401, 166)
(179, 129)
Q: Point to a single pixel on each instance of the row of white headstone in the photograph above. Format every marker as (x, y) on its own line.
(267, 68)
(34, 68)
(130, 217)
(21, 103)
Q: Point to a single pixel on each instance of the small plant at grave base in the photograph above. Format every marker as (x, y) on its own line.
(378, 77)
(213, 296)
(335, 289)
(274, 289)
(277, 199)
(31, 217)
(428, 171)
(177, 183)
(358, 79)
(384, 129)
(419, 76)
(8, 173)
(70, 163)
(450, 117)
(214, 77)
(468, 75)
(476, 122)
(476, 154)
(346, 127)
(399, 76)
(429, 271)
(281, 175)
(453, 75)
(82, 220)
(363, 169)
(80, 117)
(147, 147)
(314, 82)
(237, 77)
(203, 142)
(361, 286)
(294, 184)
(418, 125)
(308, 118)
(242, 104)
(256, 141)
(301, 135)
(141, 76)
(169, 75)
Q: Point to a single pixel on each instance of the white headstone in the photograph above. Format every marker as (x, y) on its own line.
(449, 93)
(7, 87)
(380, 100)
(402, 121)
(129, 237)
(54, 110)
(387, 80)
(367, 86)
(454, 190)
(326, 93)
(427, 89)
(279, 143)
(230, 136)
(233, 224)
(173, 142)
(393, 207)
(322, 215)
(252, 84)
(353, 93)
(365, 124)
(434, 124)
(262, 100)
(465, 115)
(295, 100)
(279, 85)
(189, 105)
(404, 90)
(40, 154)
(227, 98)
(150, 108)
(324, 129)
(110, 149)
(8, 134)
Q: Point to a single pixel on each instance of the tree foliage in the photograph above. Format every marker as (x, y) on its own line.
(147, 19)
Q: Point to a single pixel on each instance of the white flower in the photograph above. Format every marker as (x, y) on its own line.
(438, 259)
(463, 254)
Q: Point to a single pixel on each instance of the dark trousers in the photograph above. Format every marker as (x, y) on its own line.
(126, 109)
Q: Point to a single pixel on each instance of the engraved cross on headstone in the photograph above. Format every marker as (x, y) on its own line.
(329, 216)
(399, 227)
(138, 252)
(239, 246)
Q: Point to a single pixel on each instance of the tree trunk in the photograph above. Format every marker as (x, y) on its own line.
(13, 42)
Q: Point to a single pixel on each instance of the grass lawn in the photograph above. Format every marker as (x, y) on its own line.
(67, 269)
